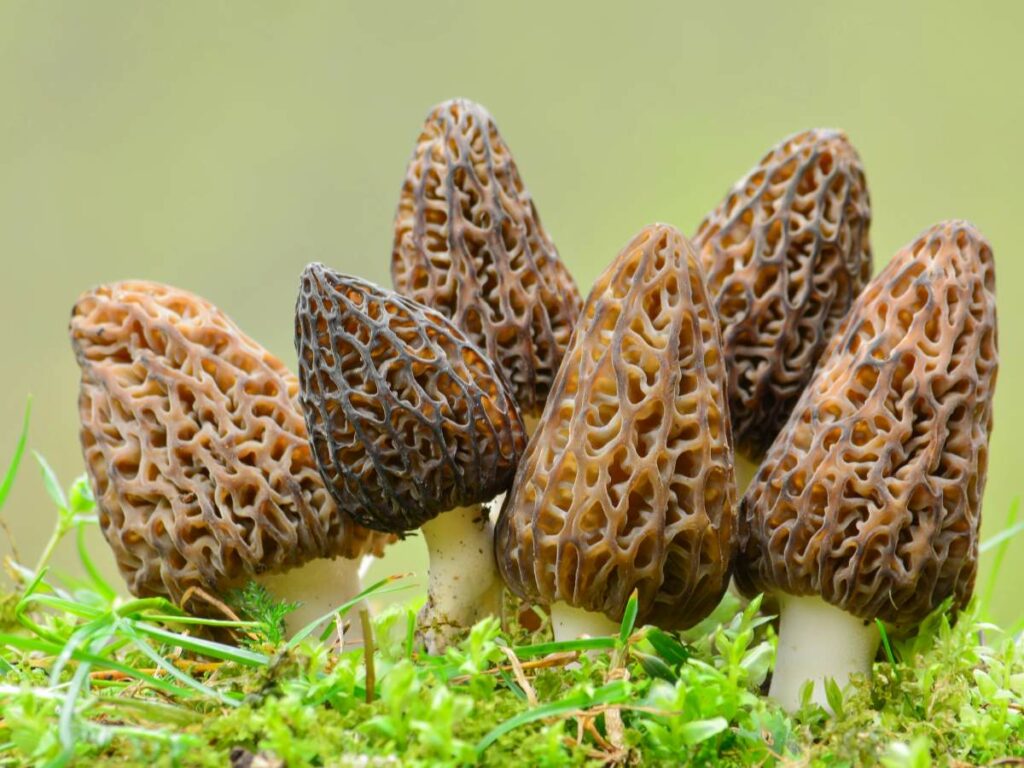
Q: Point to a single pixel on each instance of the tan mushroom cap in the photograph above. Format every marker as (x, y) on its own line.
(871, 496)
(195, 446)
(628, 481)
(406, 417)
(785, 254)
(468, 242)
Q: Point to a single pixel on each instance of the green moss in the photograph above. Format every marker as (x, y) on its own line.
(88, 677)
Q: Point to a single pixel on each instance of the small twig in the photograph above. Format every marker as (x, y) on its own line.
(10, 540)
(613, 716)
(371, 677)
(339, 632)
(554, 660)
(520, 675)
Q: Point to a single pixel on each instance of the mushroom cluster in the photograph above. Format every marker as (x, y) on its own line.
(863, 407)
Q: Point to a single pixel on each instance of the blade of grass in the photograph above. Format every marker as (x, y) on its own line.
(1004, 535)
(885, 642)
(378, 588)
(53, 649)
(101, 585)
(1001, 546)
(583, 644)
(19, 451)
(183, 678)
(612, 693)
(629, 617)
(51, 483)
(198, 645)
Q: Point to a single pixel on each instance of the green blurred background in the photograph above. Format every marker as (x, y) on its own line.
(221, 146)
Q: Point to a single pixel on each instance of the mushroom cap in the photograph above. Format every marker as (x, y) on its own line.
(468, 242)
(785, 254)
(406, 417)
(628, 482)
(195, 446)
(871, 495)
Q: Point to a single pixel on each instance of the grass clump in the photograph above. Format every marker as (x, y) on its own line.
(87, 676)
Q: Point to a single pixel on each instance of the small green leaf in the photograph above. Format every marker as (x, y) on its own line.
(702, 730)
(655, 667)
(629, 617)
(834, 696)
(671, 650)
(885, 641)
(51, 483)
(19, 450)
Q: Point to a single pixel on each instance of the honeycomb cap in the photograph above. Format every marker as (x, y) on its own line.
(195, 447)
(468, 242)
(785, 254)
(871, 495)
(628, 482)
(407, 418)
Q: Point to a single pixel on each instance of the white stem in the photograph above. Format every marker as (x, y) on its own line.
(464, 585)
(319, 585)
(571, 623)
(746, 471)
(818, 641)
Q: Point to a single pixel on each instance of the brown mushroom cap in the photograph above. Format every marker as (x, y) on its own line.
(628, 481)
(195, 446)
(785, 254)
(406, 417)
(871, 495)
(469, 243)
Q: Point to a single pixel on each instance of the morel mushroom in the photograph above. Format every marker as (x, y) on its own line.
(785, 254)
(868, 504)
(411, 427)
(628, 482)
(198, 455)
(468, 242)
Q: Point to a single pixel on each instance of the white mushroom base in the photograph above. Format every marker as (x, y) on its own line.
(570, 623)
(464, 586)
(818, 641)
(319, 586)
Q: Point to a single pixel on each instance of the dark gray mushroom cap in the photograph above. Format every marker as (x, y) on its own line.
(406, 417)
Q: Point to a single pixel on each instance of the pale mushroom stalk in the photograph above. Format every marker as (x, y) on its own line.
(319, 586)
(464, 586)
(817, 642)
(570, 623)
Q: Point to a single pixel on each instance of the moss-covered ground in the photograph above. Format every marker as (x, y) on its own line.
(87, 677)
